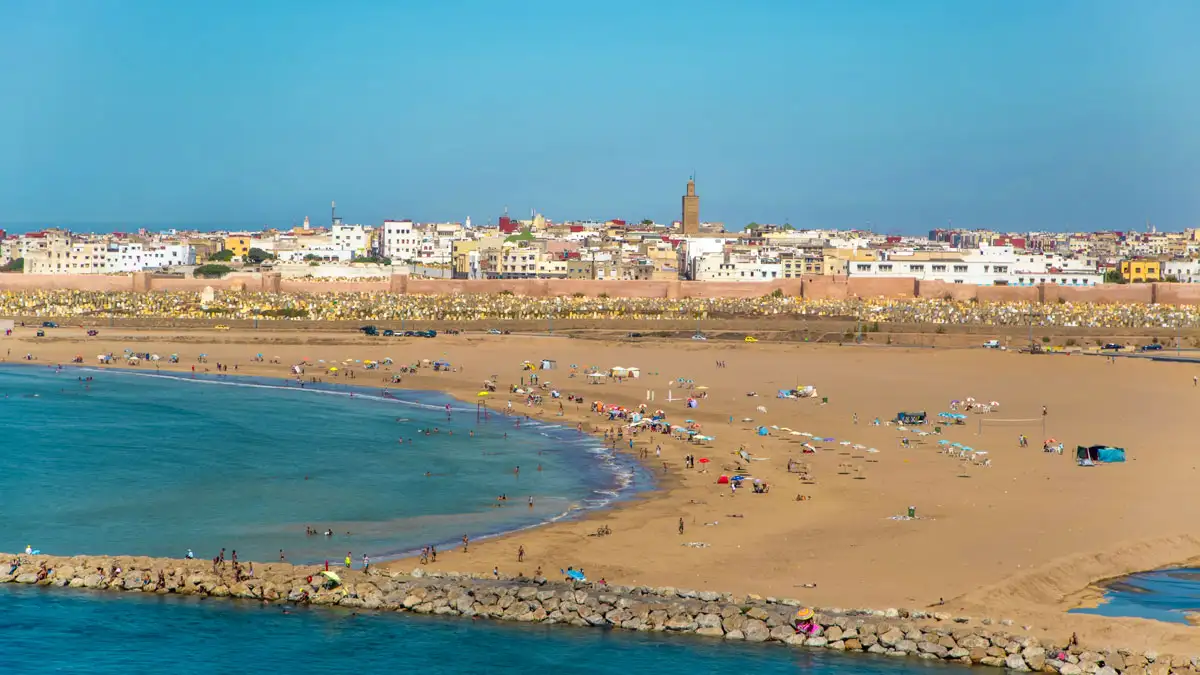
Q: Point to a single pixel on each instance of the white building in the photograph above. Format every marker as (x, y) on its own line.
(352, 238)
(694, 247)
(986, 266)
(397, 241)
(722, 266)
(134, 257)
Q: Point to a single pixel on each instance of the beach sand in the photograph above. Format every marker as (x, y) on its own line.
(1022, 538)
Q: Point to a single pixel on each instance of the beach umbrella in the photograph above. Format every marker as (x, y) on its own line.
(332, 576)
(703, 460)
(943, 442)
(482, 393)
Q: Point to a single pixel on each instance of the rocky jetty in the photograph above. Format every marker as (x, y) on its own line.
(892, 632)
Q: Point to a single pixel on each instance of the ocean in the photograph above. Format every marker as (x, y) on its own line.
(149, 463)
(71, 631)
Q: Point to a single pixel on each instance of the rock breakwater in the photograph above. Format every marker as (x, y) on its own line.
(894, 632)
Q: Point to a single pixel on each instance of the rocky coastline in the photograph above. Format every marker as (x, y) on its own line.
(920, 634)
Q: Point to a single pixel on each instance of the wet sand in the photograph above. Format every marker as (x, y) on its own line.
(1023, 538)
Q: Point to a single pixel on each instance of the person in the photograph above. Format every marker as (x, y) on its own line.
(366, 562)
(521, 553)
(805, 621)
(281, 558)
(190, 555)
(681, 526)
(347, 559)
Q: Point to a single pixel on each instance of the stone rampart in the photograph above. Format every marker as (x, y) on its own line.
(811, 288)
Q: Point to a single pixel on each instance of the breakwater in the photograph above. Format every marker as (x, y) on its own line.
(895, 632)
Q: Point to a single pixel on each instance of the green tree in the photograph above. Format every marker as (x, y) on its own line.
(224, 255)
(211, 271)
(647, 221)
(1113, 277)
(17, 265)
(257, 256)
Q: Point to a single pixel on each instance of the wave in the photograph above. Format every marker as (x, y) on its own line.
(623, 476)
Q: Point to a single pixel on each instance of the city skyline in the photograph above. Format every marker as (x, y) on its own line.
(1011, 116)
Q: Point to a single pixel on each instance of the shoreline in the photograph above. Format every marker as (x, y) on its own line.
(578, 509)
(847, 548)
(931, 636)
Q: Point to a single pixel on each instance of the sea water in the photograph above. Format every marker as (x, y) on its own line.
(1165, 595)
(153, 463)
(73, 631)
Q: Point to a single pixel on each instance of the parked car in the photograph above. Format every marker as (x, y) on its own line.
(1113, 346)
(699, 336)
(389, 333)
(634, 335)
(93, 333)
(49, 324)
(369, 330)
(221, 326)
(992, 344)
(493, 331)
(41, 333)
(751, 338)
(1155, 347)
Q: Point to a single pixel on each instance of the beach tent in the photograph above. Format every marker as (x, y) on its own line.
(763, 431)
(723, 480)
(910, 417)
(1099, 454)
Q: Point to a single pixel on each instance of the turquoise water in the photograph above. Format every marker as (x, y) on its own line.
(105, 634)
(1163, 595)
(154, 464)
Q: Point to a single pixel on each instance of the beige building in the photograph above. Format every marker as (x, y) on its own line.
(61, 256)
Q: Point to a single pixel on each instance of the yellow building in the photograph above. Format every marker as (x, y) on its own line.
(239, 244)
(1141, 270)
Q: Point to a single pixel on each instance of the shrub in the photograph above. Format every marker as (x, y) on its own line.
(16, 265)
(211, 271)
(1045, 340)
(224, 255)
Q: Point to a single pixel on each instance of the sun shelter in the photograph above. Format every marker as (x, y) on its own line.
(911, 417)
(1098, 454)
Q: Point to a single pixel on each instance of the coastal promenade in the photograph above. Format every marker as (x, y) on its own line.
(919, 634)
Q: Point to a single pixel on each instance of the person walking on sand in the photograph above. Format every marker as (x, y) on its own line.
(681, 526)
(466, 543)
(521, 554)
(366, 562)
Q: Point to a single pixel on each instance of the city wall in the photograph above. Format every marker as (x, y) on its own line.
(812, 288)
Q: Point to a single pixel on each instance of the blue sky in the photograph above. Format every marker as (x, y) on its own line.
(1017, 114)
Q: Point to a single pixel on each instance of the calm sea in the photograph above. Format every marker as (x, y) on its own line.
(53, 630)
(154, 464)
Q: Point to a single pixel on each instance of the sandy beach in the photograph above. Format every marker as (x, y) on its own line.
(1021, 538)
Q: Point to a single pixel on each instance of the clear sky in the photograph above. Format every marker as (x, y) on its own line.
(1013, 114)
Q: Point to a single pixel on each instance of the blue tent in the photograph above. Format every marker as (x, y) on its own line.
(1100, 453)
(763, 431)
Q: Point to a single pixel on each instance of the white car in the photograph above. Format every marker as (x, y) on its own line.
(992, 344)
(493, 331)
(699, 336)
